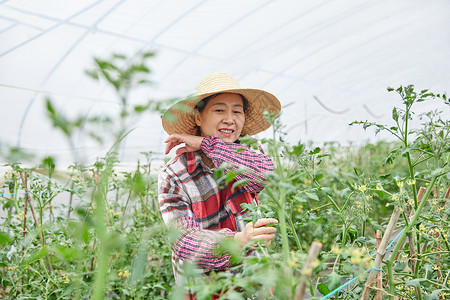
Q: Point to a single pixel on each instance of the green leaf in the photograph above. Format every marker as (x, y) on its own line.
(434, 295)
(413, 282)
(251, 207)
(312, 196)
(36, 255)
(230, 177)
(395, 114)
(399, 266)
(323, 288)
(315, 151)
(326, 190)
(334, 280)
(239, 183)
(436, 171)
(5, 239)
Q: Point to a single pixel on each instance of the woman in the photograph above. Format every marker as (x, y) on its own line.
(209, 125)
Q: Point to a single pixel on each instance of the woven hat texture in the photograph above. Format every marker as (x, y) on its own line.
(180, 117)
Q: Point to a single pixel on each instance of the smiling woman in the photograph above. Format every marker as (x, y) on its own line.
(209, 125)
(221, 115)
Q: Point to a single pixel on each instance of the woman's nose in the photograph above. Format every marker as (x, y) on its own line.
(228, 118)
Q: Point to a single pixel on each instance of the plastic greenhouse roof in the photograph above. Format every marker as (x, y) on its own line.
(329, 62)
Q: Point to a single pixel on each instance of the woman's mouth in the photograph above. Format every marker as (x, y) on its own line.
(226, 131)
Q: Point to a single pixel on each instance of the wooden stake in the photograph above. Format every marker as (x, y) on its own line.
(24, 229)
(411, 239)
(380, 253)
(379, 236)
(307, 269)
(36, 221)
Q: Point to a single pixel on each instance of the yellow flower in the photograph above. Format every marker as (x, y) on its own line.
(118, 213)
(362, 188)
(369, 197)
(379, 187)
(335, 249)
(427, 184)
(307, 181)
(358, 204)
(411, 181)
(307, 272)
(411, 202)
(299, 208)
(355, 260)
(126, 274)
(120, 274)
(441, 190)
(400, 184)
(110, 211)
(315, 263)
(422, 227)
(66, 279)
(10, 268)
(90, 207)
(355, 252)
(394, 197)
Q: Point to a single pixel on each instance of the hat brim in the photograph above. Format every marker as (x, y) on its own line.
(180, 117)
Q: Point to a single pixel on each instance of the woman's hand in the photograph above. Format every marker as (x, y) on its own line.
(259, 231)
(192, 143)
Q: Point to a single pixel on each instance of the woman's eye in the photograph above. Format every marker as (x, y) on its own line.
(238, 112)
(219, 110)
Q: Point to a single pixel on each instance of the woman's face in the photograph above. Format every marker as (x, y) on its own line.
(223, 116)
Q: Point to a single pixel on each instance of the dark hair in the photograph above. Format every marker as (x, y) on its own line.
(202, 103)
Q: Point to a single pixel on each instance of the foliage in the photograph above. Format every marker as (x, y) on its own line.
(109, 241)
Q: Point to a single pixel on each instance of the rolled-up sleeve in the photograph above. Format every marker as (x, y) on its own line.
(239, 156)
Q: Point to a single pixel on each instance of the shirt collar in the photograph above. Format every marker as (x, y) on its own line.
(194, 160)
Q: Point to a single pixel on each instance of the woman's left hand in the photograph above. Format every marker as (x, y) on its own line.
(192, 143)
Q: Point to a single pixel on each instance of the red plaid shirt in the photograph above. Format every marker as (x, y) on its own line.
(205, 213)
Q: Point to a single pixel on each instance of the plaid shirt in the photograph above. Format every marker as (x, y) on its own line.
(203, 212)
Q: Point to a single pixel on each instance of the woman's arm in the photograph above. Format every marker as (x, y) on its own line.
(258, 163)
(192, 244)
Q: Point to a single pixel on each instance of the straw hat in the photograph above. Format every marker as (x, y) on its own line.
(180, 117)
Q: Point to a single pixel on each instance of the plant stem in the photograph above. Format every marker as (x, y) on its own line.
(403, 235)
(297, 240)
(284, 237)
(100, 197)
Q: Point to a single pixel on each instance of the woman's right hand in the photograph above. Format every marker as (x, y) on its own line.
(259, 231)
(191, 142)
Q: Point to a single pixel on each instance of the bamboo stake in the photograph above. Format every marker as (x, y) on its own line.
(380, 253)
(379, 236)
(36, 221)
(447, 197)
(24, 229)
(70, 200)
(307, 269)
(438, 250)
(412, 246)
(438, 247)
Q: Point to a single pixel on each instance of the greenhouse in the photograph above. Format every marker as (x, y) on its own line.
(324, 174)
